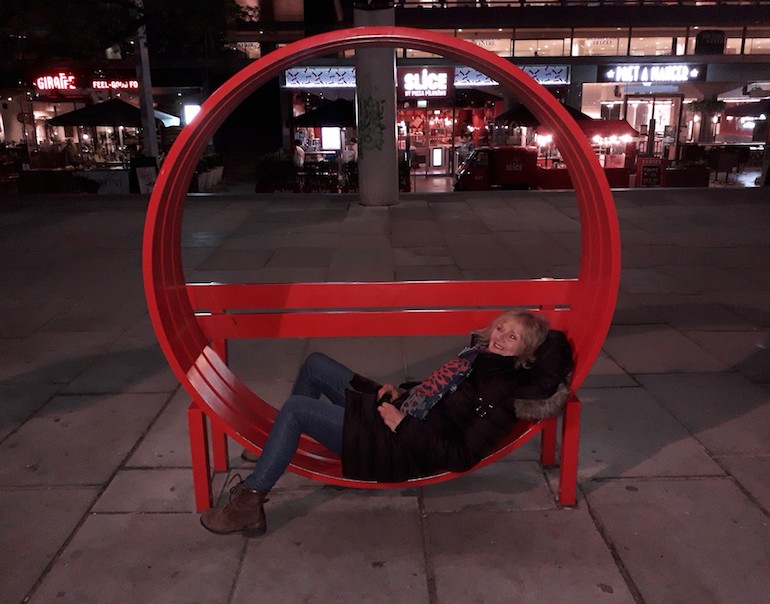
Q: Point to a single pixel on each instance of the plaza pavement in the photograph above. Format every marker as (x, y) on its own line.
(96, 501)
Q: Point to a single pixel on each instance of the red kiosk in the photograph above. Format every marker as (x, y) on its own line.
(195, 343)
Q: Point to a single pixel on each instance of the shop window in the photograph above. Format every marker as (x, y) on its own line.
(758, 46)
(498, 41)
(757, 41)
(651, 46)
(542, 43)
(600, 42)
(733, 46)
(721, 41)
(554, 47)
(611, 110)
(409, 53)
(598, 100)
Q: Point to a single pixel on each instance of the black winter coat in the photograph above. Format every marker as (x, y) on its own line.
(462, 428)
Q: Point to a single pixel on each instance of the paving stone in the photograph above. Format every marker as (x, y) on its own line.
(534, 556)
(504, 485)
(657, 349)
(129, 558)
(696, 540)
(20, 402)
(77, 440)
(34, 525)
(167, 443)
(605, 373)
(337, 546)
(727, 414)
(51, 358)
(125, 368)
(751, 473)
(148, 490)
(626, 432)
(674, 445)
(748, 352)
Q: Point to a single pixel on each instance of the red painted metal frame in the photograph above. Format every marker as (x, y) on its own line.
(198, 363)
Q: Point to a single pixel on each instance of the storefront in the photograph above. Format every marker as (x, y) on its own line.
(674, 106)
(434, 116)
(437, 106)
(651, 97)
(68, 122)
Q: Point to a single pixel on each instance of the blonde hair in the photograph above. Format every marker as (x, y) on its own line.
(534, 329)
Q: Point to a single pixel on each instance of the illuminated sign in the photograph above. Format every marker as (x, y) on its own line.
(426, 83)
(463, 77)
(57, 81)
(549, 75)
(653, 73)
(320, 77)
(115, 84)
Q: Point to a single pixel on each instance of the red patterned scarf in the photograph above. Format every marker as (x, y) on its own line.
(446, 378)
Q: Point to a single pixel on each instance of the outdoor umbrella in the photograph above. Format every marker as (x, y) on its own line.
(519, 115)
(114, 112)
(750, 109)
(340, 113)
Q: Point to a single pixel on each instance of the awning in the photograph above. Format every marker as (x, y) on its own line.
(114, 112)
(519, 115)
(750, 109)
(608, 128)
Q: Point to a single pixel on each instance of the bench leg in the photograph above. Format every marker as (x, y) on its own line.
(548, 442)
(219, 448)
(199, 451)
(570, 441)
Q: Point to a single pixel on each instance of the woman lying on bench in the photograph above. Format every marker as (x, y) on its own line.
(449, 422)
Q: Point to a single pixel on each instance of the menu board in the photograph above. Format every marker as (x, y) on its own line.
(649, 172)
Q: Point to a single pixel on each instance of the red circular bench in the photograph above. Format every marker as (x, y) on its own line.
(193, 322)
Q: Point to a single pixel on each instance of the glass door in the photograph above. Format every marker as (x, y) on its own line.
(658, 119)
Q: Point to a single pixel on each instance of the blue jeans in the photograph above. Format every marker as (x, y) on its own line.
(304, 413)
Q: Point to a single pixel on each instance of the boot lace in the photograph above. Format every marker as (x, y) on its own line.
(237, 486)
(234, 488)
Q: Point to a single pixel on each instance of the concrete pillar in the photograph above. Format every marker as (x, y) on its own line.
(376, 105)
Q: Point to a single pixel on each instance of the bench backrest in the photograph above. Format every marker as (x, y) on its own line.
(297, 310)
(304, 310)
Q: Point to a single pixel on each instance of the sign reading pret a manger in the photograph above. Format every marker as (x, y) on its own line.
(642, 73)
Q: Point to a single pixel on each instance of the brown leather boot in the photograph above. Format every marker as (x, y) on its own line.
(244, 513)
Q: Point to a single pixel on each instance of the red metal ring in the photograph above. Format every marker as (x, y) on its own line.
(178, 333)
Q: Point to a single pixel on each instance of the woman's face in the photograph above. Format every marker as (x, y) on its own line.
(505, 339)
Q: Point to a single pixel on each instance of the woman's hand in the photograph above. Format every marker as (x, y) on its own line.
(390, 415)
(389, 393)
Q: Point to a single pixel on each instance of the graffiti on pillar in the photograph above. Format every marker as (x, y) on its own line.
(371, 124)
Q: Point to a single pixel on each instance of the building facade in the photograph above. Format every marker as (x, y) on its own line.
(679, 72)
(672, 70)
